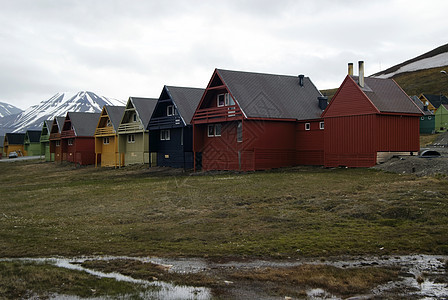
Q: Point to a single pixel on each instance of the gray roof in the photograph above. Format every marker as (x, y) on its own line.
(387, 96)
(84, 123)
(144, 108)
(33, 136)
(115, 114)
(60, 121)
(436, 100)
(15, 138)
(273, 96)
(420, 105)
(186, 100)
(2, 139)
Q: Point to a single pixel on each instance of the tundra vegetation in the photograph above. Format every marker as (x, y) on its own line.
(50, 209)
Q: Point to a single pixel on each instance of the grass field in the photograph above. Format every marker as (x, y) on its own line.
(50, 209)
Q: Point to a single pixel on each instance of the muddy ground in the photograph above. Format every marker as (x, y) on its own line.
(421, 166)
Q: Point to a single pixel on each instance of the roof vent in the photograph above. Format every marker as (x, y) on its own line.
(301, 79)
(323, 102)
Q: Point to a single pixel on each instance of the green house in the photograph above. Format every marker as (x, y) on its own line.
(133, 135)
(45, 140)
(32, 143)
(442, 118)
(427, 121)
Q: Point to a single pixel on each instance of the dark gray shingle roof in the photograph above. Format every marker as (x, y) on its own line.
(144, 108)
(436, 100)
(273, 96)
(15, 138)
(387, 96)
(33, 136)
(84, 123)
(60, 121)
(115, 114)
(186, 100)
(420, 105)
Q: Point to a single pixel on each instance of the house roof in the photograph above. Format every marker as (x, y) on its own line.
(272, 96)
(144, 108)
(436, 100)
(185, 99)
(48, 124)
(15, 138)
(387, 96)
(420, 105)
(60, 122)
(2, 139)
(33, 136)
(115, 114)
(84, 123)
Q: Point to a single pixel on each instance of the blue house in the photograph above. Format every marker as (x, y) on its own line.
(170, 130)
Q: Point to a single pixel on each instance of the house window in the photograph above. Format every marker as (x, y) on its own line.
(134, 117)
(165, 135)
(109, 123)
(106, 141)
(239, 132)
(225, 100)
(214, 130)
(170, 110)
(321, 125)
(70, 142)
(131, 138)
(307, 126)
(429, 118)
(58, 143)
(422, 118)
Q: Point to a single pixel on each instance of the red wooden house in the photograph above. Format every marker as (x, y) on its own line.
(77, 137)
(251, 121)
(369, 119)
(55, 139)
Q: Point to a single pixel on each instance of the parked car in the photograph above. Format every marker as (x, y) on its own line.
(13, 154)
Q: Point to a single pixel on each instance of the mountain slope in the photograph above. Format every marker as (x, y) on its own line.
(8, 109)
(58, 105)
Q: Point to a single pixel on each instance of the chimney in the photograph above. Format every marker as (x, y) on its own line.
(301, 79)
(361, 73)
(350, 69)
(323, 102)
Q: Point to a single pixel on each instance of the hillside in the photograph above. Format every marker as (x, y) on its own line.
(8, 109)
(57, 105)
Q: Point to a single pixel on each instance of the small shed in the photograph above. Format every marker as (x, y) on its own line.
(368, 120)
(14, 142)
(32, 143)
(106, 136)
(170, 129)
(441, 115)
(77, 137)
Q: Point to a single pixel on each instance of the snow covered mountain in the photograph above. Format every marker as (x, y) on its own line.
(8, 109)
(58, 105)
(432, 59)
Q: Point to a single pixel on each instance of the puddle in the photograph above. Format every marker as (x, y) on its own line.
(422, 276)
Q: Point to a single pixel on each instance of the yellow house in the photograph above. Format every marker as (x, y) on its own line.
(14, 142)
(106, 136)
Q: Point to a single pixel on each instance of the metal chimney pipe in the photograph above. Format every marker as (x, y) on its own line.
(361, 73)
(301, 79)
(350, 69)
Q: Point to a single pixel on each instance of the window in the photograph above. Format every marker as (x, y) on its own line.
(429, 118)
(214, 130)
(106, 141)
(422, 118)
(225, 100)
(239, 132)
(170, 110)
(109, 123)
(58, 143)
(70, 142)
(134, 117)
(321, 125)
(165, 135)
(131, 138)
(307, 126)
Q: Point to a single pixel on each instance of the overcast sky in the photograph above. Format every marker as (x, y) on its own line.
(122, 48)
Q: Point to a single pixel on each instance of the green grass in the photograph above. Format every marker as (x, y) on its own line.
(49, 209)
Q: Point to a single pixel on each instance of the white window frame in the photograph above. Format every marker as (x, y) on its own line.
(108, 123)
(58, 143)
(106, 140)
(165, 135)
(321, 125)
(134, 117)
(131, 138)
(70, 142)
(223, 102)
(307, 126)
(239, 132)
(170, 110)
(214, 130)
(429, 117)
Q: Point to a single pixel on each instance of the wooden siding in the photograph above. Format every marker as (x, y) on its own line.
(176, 152)
(32, 149)
(427, 124)
(136, 152)
(107, 154)
(397, 133)
(309, 143)
(81, 152)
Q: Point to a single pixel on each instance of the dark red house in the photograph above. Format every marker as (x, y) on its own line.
(77, 137)
(55, 139)
(367, 120)
(252, 121)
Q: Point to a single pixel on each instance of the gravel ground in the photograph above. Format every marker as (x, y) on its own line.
(421, 166)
